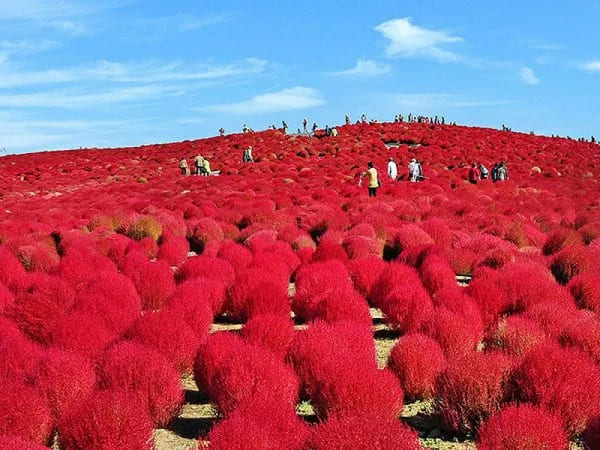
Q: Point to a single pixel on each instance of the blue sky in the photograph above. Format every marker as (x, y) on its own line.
(82, 73)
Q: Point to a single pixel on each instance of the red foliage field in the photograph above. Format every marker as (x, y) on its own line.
(114, 266)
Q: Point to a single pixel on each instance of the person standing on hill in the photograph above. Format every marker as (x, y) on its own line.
(183, 165)
(474, 174)
(198, 161)
(484, 172)
(221, 131)
(205, 167)
(373, 179)
(347, 119)
(502, 172)
(392, 170)
(284, 126)
(495, 172)
(420, 174)
(413, 171)
(305, 125)
(334, 132)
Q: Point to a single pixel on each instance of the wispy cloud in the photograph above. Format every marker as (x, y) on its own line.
(591, 66)
(290, 99)
(408, 40)
(131, 72)
(431, 102)
(186, 22)
(527, 75)
(546, 46)
(365, 67)
(72, 99)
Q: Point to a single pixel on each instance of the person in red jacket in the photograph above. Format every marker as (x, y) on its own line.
(474, 174)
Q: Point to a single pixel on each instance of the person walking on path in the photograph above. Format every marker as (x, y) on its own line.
(413, 171)
(392, 169)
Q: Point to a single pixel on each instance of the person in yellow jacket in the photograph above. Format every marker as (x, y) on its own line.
(183, 165)
(198, 161)
(205, 167)
(373, 179)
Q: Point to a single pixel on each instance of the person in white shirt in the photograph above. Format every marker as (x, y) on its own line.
(413, 170)
(392, 169)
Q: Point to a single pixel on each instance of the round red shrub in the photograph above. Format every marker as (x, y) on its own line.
(168, 333)
(111, 297)
(360, 432)
(259, 426)
(174, 250)
(516, 336)
(24, 412)
(327, 251)
(570, 262)
(65, 379)
(146, 375)
(364, 272)
(108, 420)
(273, 332)
(402, 298)
(471, 389)
(209, 267)
(237, 255)
(7, 298)
(212, 353)
(192, 301)
(584, 334)
(16, 443)
(561, 238)
(518, 427)
(585, 289)
(153, 281)
(79, 266)
(18, 355)
(205, 231)
(37, 309)
(250, 374)
(563, 380)
(12, 273)
(343, 305)
(83, 334)
(417, 361)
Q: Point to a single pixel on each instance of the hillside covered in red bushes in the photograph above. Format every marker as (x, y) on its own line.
(114, 267)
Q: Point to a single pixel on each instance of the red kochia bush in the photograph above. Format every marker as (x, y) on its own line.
(168, 333)
(212, 353)
(251, 374)
(146, 375)
(565, 381)
(560, 239)
(417, 361)
(81, 333)
(174, 250)
(360, 432)
(78, 266)
(16, 443)
(37, 309)
(24, 412)
(364, 272)
(260, 426)
(522, 427)
(402, 298)
(154, 281)
(18, 355)
(192, 301)
(237, 255)
(317, 281)
(584, 333)
(112, 298)
(585, 289)
(516, 335)
(65, 379)
(471, 389)
(570, 262)
(109, 420)
(257, 291)
(207, 267)
(12, 273)
(7, 298)
(270, 331)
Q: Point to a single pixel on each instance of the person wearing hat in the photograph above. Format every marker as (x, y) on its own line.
(413, 171)
(392, 170)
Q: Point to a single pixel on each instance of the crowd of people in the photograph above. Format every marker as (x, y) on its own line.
(201, 166)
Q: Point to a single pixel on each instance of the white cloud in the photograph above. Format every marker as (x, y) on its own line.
(294, 98)
(591, 66)
(365, 67)
(528, 76)
(433, 103)
(133, 72)
(545, 46)
(408, 40)
(77, 99)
